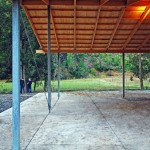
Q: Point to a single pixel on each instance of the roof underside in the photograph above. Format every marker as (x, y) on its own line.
(91, 26)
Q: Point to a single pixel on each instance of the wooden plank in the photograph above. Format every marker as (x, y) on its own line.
(46, 2)
(94, 33)
(84, 3)
(147, 10)
(32, 25)
(101, 51)
(130, 2)
(40, 52)
(144, 42)
(52, 19)
(116, 27)
(32, 2)
(75, 3)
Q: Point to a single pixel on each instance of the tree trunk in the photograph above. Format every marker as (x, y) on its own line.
(45, 85)
(34, 86)
(24, 76)
(140, 72)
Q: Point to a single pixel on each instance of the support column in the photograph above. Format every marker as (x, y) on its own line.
(16, 75)
(49, 61)
(123, 75)
(58, 75)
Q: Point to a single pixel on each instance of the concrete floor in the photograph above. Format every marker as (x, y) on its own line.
(81, 121)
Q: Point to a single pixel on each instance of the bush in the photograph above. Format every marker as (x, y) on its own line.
(64, 74)
(93, 72)
(109, 73)
(131, 78)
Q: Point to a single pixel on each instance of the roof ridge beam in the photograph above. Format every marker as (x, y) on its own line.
(145, 13)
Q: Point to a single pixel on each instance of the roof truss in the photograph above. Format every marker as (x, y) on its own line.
(91, 26)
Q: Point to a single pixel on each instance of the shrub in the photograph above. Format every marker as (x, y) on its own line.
(93, 72)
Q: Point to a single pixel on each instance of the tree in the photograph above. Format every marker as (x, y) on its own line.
(140, 66)
(5, 39)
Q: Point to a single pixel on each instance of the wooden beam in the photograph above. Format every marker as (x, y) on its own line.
(102, 2)
(145, 13)
(94, 33)
(75, 24)
(116, 27)
(144, 42)
(85, 3)
(40, 51)
(142, 3)
(101, 51)
(33, 2)
(130, 2)
(32, 25)
(54, 28)
(46, 1)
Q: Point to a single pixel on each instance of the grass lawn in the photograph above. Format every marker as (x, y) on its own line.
(107, 83)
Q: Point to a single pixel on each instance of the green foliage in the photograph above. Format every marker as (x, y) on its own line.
(131, 78)
(93, 72)
(134, 65)
(77, 65)
(72, 65)
(5, 39)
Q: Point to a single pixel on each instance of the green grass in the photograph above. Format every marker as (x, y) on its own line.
(5, 87)
(107, 83)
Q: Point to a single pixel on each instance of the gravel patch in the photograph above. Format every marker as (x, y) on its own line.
(6, 100)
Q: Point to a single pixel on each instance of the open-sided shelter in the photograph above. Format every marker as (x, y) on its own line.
(91, 26)
(79, 26)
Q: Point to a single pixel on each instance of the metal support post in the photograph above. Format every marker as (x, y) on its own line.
(58, 75)
(16, 74)
(123, 75)
(49, 61)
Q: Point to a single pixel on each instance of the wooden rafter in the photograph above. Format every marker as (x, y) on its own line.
(116, 27)
(144, 42)
(145, 13)
(96, 24)
(102, 2)
(31, 23)
(54, 28)
(85, 3)
(75, 24)
(130, 2)
(46, 1)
